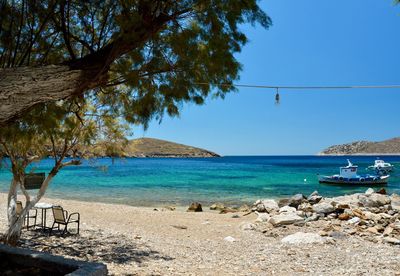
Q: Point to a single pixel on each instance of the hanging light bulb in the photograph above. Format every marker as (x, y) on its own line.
(277, 97)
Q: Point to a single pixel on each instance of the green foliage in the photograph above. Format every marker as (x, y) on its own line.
(67, 131)
(157, 53)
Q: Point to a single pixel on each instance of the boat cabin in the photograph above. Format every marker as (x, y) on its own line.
(350, 171)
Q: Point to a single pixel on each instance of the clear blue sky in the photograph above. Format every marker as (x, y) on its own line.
(311, 42)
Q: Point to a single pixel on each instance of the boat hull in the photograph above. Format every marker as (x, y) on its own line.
(367, 180)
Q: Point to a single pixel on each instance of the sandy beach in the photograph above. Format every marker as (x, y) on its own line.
(144, 241)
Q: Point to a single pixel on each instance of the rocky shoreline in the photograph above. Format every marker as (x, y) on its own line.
(373, 215)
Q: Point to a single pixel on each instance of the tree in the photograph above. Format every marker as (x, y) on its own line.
(141, 58)
(66, 130)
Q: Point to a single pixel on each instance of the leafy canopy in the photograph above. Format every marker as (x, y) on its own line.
(155, 54)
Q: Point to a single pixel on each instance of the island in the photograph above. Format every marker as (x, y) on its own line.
(151, 147)
(386, 147)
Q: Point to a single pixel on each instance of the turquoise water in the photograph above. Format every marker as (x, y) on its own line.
(232, 179)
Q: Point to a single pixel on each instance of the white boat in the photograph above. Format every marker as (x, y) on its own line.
(381, 166)
(348, 175)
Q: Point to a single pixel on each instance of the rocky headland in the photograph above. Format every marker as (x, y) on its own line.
(387, 147)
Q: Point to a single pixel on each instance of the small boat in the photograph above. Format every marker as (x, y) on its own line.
(381, 166)
(348, 175)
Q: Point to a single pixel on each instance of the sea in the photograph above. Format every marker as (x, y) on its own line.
(232, 180)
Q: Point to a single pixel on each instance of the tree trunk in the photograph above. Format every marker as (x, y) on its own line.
(16, 223)
(23, 87)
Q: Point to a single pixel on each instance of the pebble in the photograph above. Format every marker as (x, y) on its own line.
(229, 239)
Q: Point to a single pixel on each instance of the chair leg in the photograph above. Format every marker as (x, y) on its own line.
(51, 229)
(65, 230)
(78, 228)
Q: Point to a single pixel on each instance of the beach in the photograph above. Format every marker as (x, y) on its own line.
(147, 241)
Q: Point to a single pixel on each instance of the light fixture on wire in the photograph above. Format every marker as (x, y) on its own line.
(277, 97)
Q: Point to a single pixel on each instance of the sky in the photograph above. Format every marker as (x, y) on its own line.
(311, 43)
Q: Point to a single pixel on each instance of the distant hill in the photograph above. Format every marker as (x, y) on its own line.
(387, 147)
(150, 147)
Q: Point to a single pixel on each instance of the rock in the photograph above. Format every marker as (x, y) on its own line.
(381, 191)
(359, 213)
(262, 217)
(285, 219)
(313, 217)
(369, 191)
(267, 205)
(260, 208)
(323, 233)
(373, 230)
(337, 235)
(303, 238)
(351, 231)
(283, 202)
(395, 203)
(314, 199)
(300, 213)
(248, 226)
(287, 209)
(183, 227)
(235, 216)
(391, 240)
(371, 216)
(296, 200)
(305, 207)
(171, 208)
(332, 216)
(323, 208)
(342, 206)
(244, 208)
(195, 207)
(354, 220)
(217, 206)
(344, 216)
(374, 200)
(229, 239)
(227, 210)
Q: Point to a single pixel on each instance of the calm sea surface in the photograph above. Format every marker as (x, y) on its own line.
(231, 179)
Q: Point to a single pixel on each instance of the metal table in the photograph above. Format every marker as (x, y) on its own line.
(44, 207)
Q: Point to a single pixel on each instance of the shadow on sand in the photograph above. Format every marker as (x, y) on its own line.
(94, 246)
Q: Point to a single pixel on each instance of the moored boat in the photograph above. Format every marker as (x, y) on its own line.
(348, 175)
(381, 166)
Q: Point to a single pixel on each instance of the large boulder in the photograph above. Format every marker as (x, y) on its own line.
(373, 200)
(296, 200)
(195, 207)
(267, 205)
(285, 219)
(303, 238)
(323, 208)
